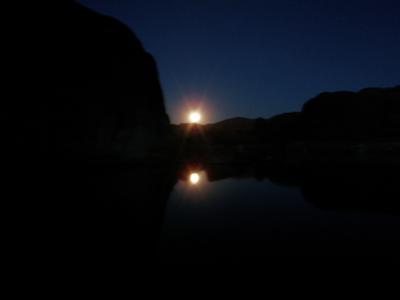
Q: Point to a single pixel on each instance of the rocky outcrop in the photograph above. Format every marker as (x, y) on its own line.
(368, 114)
(96, 92)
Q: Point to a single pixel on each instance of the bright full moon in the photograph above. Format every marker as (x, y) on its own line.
(194, 117)
(194, 178)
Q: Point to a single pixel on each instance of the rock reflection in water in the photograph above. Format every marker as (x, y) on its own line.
(243, 212)
(229, 211)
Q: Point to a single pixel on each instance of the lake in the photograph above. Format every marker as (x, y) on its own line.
(235, 216)
(197, 213)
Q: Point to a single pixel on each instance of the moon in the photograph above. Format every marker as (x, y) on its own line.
(194, 178)
(194, 117)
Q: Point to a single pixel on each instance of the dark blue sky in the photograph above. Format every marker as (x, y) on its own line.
(259, 58)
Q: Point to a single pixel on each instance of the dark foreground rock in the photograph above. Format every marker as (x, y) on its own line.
(87, 90)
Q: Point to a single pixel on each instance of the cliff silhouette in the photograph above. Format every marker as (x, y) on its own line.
(88, 91)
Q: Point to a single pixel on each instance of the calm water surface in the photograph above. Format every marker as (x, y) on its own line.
(236, 219)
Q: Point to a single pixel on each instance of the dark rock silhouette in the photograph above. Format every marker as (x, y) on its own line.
(87, 94)
(369, 114)
(92, 92)
(95, 216)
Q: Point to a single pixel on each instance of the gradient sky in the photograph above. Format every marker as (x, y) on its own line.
(259, 58)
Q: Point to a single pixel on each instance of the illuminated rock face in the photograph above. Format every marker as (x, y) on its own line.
(99, 95)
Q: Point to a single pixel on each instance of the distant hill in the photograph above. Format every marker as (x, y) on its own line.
(340, 126)
(234, 130)
(232, 123)
(237, 123)
(369, 113)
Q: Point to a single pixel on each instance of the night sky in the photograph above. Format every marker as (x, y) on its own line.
(259, 58)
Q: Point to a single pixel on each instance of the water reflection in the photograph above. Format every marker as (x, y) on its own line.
(245, 211)
(222, 211)
(372, 190)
